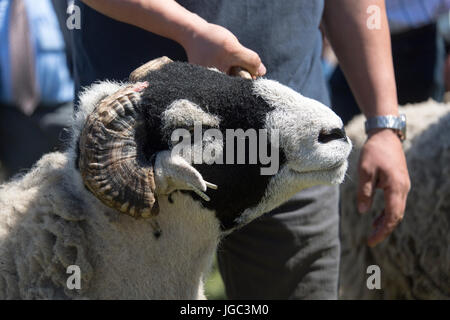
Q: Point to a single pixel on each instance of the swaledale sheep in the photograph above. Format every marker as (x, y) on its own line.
(415, 260)
(135, 216)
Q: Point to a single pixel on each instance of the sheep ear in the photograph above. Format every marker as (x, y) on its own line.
(173, 172)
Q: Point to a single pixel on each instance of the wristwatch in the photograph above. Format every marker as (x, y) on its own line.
(398, 124)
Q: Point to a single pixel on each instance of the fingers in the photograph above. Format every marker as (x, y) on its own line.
(383, 166)
(389, 219)
(377, 235)
(395, 202)
(215, 46)
(250, 61)
(365, 189)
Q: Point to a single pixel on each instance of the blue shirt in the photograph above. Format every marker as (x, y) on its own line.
(408, 14)
(285, 34)
(53, 76)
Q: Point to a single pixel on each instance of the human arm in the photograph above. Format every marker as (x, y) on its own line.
(365, 57)
(205, 43)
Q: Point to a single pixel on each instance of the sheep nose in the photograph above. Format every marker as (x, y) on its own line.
(326, 136)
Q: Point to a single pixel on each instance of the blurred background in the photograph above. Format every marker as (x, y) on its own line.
(36, 98)
(420, 39)
(36, 87)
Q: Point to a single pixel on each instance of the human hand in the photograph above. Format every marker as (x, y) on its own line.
(214, 46)
(382, 165)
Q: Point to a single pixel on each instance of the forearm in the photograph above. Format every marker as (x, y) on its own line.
(165, 18)
(364, 54)
(206, 44)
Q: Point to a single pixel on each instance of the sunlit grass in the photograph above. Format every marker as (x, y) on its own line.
(214, 288)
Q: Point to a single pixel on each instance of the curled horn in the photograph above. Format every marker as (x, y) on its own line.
(110, 163)
(239, 72)
(140, 73)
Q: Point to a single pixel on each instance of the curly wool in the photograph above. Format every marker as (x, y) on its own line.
(415, 260)
(41, 233)
(43, 221)
(49, 221)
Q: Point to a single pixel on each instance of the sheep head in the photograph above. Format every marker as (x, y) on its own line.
(130, 155)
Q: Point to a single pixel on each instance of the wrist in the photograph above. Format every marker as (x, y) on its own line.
(388, 110)
(381, 106)
(380, 131)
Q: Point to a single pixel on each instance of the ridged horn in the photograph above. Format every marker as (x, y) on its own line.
(110, 163)
(140, 73)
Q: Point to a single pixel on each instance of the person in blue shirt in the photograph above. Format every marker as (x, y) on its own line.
(25, 136)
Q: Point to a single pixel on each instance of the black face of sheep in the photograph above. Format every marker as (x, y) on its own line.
(178, 126)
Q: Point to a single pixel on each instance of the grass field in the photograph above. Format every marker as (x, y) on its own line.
(214, 289)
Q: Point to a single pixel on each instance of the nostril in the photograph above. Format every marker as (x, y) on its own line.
(330, 135)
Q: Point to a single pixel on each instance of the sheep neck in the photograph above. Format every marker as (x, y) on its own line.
(136, 264)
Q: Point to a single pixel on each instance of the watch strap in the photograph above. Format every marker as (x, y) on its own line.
(396, 123)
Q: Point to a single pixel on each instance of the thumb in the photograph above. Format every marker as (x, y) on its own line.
(366, 188)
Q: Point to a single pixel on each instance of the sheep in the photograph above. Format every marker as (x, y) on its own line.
(138, 220)
(415, 260)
